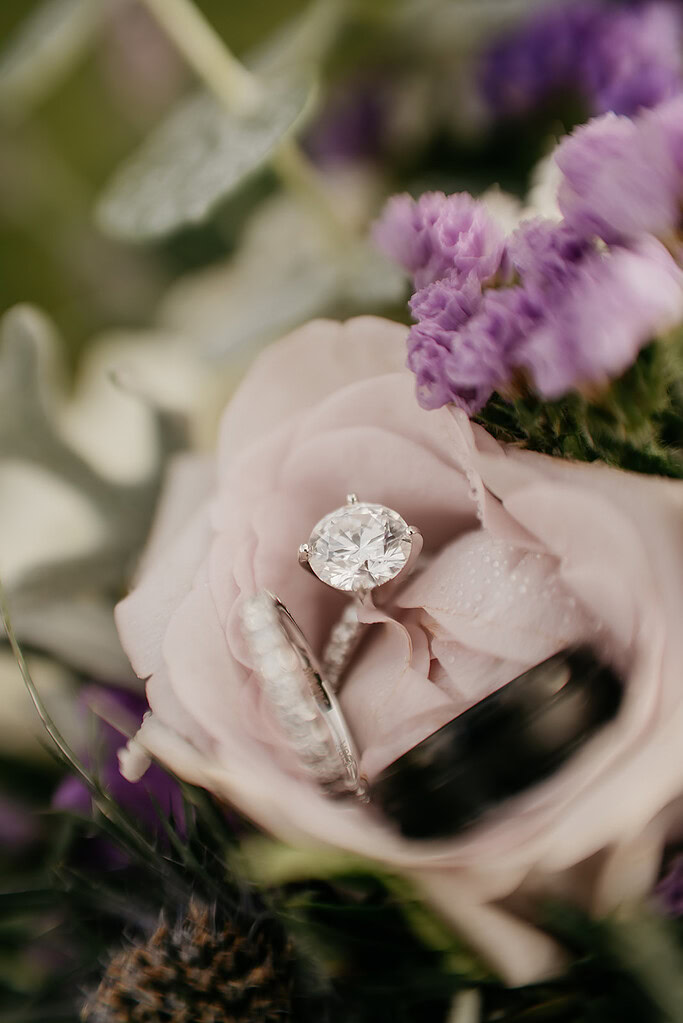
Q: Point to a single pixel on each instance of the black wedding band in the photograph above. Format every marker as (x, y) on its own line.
(510, 741)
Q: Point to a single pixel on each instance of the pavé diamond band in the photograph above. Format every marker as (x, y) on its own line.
(301, 702)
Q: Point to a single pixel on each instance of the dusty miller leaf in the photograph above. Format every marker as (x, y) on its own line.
(197, 156)
(43, 50)
(65, 595)
(304, 40)
(286, 271)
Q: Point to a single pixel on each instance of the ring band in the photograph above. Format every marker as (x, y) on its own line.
(343, 641)
(507, 743)
(501, 746)
(300, 700)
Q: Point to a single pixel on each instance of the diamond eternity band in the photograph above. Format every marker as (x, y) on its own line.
(302, 704)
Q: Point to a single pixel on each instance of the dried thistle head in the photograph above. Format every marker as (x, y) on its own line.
(198, 972)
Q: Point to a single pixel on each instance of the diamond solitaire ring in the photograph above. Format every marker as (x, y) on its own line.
(300, 700)
(358, 548)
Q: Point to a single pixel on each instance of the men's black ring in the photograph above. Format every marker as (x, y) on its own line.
(510, 741)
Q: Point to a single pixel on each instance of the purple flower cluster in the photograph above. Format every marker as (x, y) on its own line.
(438, 235)
(618, 58)
(593, 318)
(159, 795)
(669, 891)
(622, 177)
(353, 123)
(552, 304)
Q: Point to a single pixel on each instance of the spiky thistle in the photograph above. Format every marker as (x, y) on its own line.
(199, 970)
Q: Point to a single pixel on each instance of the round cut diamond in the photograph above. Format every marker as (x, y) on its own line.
(359, 546)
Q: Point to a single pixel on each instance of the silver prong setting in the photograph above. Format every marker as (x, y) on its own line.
(304, 554)
(352, 498)
(416, 541)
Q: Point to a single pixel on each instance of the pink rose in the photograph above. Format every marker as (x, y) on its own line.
(523, 555)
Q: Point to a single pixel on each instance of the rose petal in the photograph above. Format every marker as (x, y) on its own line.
(303, 368)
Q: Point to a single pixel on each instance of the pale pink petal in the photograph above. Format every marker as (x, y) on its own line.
(519, 952)
(390, 705)
(629, 872)
(143, 616)
(188, 483)
(304, 368)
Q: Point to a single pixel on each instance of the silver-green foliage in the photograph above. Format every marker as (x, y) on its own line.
(197, 156)
(64, 604)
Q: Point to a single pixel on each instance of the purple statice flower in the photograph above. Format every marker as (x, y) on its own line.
(158, 794)
(353, 123)
(669, 890)
(667, 119)
(429, 346)
(620, 177)
(543, 253)
(593, 319)
(484, 355)
(439, 235)
(619, 58)
(522, 68)
(464, 362)
(448, 302)
(635, 58)
(576, 317)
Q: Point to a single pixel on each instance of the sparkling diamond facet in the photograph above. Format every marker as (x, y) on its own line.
(359, 546)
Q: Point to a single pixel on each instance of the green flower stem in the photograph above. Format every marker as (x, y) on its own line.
(206, 53)
(299, 175)
(648, 944)
(102, 800)
(240, 92)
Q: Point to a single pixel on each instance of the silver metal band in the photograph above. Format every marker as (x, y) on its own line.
(301, 701)
(341, 646)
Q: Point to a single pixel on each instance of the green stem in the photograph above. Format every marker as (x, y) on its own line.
(241, 92)
(299, 175)
(207, 54)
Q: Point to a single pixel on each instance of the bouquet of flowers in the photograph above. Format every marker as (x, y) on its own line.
(347, 591)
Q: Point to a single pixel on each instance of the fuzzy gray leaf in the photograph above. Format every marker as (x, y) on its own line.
(228, 309)
(43, 50)
(197, 156)
(304, 40)
(30, 436)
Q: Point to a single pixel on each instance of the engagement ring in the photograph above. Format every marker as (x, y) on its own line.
(359, 548)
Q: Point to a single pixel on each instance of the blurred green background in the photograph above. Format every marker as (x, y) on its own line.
(56, 154)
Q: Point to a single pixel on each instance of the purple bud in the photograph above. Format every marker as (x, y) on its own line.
(591, 328)
(439, 235)
(158, 794)
(620, 177)
(619, 59)
(669, 891)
